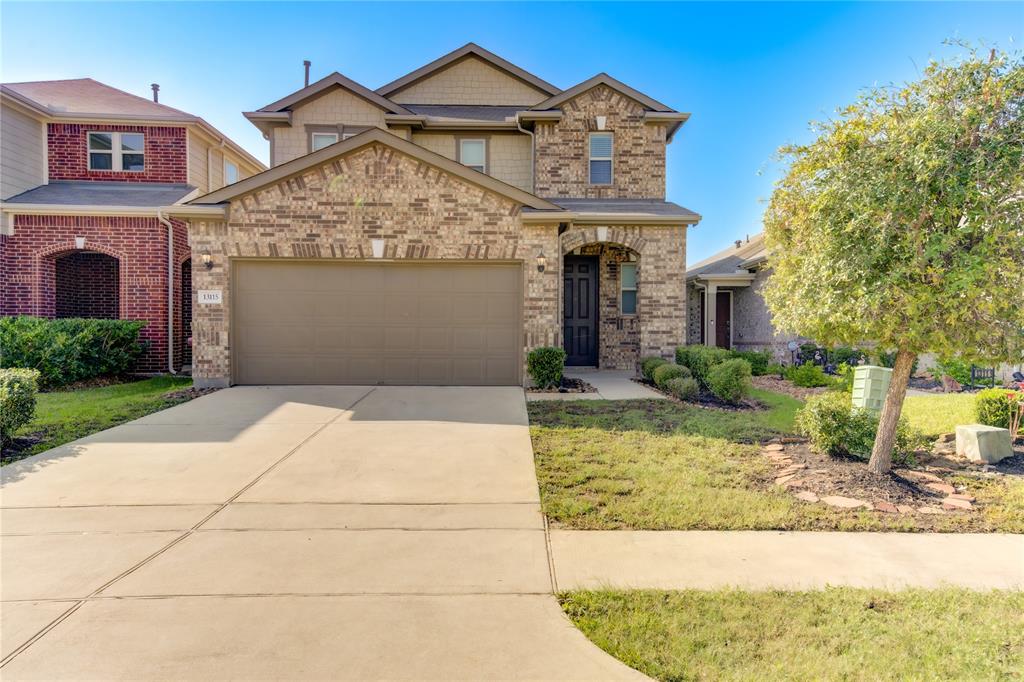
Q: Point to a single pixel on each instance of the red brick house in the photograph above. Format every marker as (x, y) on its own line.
(86, 170)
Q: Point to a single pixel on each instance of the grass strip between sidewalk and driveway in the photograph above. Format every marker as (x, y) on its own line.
(64, 416)
(664, 465)
(834, 634)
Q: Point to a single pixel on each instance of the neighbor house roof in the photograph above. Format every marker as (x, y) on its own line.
(736, 258)
(65, 193)
(363, 139)
(85, 98)
(469, 49)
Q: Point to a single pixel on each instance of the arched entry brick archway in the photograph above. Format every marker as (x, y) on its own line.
(86, 284)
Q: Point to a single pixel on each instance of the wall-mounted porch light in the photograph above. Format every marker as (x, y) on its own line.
(207, 260)
(542, 262)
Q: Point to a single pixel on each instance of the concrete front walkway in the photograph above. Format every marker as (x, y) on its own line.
(289, 532)
(784, 560)
(611, 384)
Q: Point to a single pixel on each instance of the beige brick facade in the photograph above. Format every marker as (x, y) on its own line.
(469, 81)
(562, 156)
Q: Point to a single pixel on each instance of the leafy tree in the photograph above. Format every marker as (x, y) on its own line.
(903, 223)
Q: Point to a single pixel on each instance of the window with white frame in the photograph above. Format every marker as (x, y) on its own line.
(117, 151)
(600, 158)
(627, 288)
(473, 153)
(321, 140)
(230, 173)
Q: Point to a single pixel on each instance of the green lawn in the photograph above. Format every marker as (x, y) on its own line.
(63, 416)
(834, 634)
(940, 413)
(659, 464)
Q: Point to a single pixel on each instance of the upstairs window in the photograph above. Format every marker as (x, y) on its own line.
(117, 151)
(600, 158)
(230, 173)
(627, 288)
(321, 140)
(473, 153)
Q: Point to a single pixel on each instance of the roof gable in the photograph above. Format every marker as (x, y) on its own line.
(334, 80)
(468, 51)
(606, 80)
(361, 141)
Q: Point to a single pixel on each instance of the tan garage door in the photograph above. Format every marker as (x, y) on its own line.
(307, 322)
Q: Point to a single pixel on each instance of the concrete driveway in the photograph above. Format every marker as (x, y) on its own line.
(289, 532)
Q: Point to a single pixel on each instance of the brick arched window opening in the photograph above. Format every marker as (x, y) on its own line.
(86, 284)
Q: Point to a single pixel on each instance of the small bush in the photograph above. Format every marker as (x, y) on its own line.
(663, 373)
(730, 380)
(993, 406)
(684, 388)
(759, 360)
(776, 369)
(844, 377)
(69, 350)
(700, 359)
(807, 375)
(836, 427)
(649, 364)
(18, 389)
(545, 365)
(846, 355)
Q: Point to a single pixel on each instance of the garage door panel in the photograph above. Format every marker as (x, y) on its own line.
(370, 323)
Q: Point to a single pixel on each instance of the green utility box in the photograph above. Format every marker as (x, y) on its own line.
(870, 384)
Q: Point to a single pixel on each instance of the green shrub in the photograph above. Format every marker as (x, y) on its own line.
(545, 365)
(776, 369)
(700, 359)
(993, 406)
(844, 377)
(663, 373)
(70, 350)
(759, 360)
(955, 368)
(17, 400)
(730, 380)
(649, 364)
(807, 375)
(836, 427)
(846, 355)
(684, 388)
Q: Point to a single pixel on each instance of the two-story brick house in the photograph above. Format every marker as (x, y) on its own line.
(86, 169)
(434, 230)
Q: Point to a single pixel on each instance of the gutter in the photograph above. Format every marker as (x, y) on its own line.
(170, 288)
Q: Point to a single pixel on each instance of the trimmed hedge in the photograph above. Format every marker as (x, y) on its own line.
(18, 389)
(730, 380)
(663, 373)
(69, 350)
(807, 375)
(993, 406)
(545, 365)
(649, 364)
(684, 388)
(758, 359)
(700, 359)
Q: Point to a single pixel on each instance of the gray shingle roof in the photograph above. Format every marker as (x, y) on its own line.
(87, 96)
(467, 111)
(103, 194)
(649, 206)
(724, 266)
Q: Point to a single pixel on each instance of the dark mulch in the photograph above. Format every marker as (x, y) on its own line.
(569, 385)
(925, 384)
(708, 399)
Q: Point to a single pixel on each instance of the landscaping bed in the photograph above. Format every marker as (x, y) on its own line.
(568, 385)
(63, 416)
(832, 634)
(785, 386)
(659, 465)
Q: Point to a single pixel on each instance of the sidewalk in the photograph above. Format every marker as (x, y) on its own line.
(784, 560)
(611, 384)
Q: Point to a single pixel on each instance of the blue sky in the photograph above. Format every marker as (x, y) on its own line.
(752, 74)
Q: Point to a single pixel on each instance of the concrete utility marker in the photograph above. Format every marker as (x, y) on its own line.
(784, 560)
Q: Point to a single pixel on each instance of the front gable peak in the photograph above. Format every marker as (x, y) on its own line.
(602, 79)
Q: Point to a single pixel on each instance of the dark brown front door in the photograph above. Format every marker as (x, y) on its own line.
(723, 320)
(580, 310)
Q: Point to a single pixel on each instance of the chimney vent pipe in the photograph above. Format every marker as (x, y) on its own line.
(156, 92)
(306, 63)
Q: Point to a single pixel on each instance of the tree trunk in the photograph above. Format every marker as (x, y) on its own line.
(881, 453)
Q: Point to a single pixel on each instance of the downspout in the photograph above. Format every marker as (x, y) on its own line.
(533, 160)
(170, 288)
